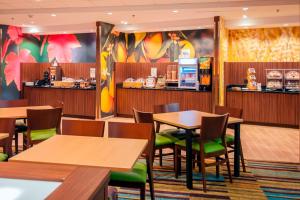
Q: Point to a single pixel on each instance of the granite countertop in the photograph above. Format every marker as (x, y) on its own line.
(52, 87)
(264, 90)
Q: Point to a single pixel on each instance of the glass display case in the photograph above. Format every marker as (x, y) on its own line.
(274, 79)
(292, 79)
(188, 73)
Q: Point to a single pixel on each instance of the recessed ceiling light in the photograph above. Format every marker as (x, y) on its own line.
(285, 24)
(245, 9)
(245, 16)
(33, 30)
(175, 11)
(109, 13)
(32, 22)
(124, 22)
(64, 32)
(53, 15)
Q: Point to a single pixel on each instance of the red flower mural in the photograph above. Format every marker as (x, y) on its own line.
(60, 47)
(12, 69)
(15, 34)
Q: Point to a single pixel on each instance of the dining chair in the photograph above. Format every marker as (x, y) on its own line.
(237, 113)
(91, 128)
(207, 146)
(42, 124)
(7, 125)
(20, 126)
(162, 140)
(137, 177)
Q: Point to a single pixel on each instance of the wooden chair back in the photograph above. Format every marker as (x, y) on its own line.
(7, 125)
(142, 117)
(134, 131)
(91, 128)
(14, 103)
(164, 108)
(233, 112)
(213, 127)
(44, 119)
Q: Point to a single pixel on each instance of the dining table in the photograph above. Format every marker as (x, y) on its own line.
(191, 120)
(19, 113)
(116, 154)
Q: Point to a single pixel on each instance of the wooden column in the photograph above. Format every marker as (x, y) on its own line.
(98, 69)
(216, 72)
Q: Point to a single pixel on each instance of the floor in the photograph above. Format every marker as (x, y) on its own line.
(264, 143)
(261, 143)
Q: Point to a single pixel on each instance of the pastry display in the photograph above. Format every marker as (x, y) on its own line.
(128, 83)
(274, 84)
(292, 75)
(161, 82)
(150, 82)
(139, 83)
(274, 74)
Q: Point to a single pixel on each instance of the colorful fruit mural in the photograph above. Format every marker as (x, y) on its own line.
(264, 45)
(18, 47)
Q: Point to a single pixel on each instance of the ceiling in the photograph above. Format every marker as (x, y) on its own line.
(150, 15)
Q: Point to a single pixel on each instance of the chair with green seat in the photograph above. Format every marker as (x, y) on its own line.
(20, 126)
(237, 113)
(206, 146)
(162, 140)
(42, 124)
(137, 177)
(7, 126)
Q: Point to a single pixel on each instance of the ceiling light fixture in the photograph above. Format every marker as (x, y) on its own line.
(33, 30)
(175, 11)
(109, 13)
(245, 9)
(124, 22)
(53, 15)
(245, 16)
(285, 24)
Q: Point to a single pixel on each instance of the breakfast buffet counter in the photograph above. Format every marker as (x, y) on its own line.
(145, 99)
(267, 107)
(77, 102)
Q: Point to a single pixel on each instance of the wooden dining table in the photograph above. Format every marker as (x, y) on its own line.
(3, 136)
(191, 120)
(116, 154)
(19, 112)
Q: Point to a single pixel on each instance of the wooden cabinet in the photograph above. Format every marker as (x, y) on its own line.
(77, 102)
(145, 99)
(267, 108)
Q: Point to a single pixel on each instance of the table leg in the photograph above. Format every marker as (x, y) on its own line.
(237, 149)
(189, 160)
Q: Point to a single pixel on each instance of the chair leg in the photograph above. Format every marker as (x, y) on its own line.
(177, 161)
(203, 174)
(228, 166)
(143, 192)
(174, 157)
(242, 159)
(217, 168)
(160, 157)
(150, 180)
(16, 142)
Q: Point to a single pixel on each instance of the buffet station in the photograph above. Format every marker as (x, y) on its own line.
(143, 85)
(73, 84)
(268, 93)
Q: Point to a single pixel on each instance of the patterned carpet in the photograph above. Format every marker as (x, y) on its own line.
(263, 180)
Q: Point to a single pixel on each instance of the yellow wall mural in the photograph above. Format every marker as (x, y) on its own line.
(265, 45)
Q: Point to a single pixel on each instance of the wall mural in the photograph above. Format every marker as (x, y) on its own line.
(18, 47)
(265, 45)
(109, 44)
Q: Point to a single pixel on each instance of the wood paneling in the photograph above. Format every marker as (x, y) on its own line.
(139, 70)
(236, 72)
(35, 71)
(144, 100)
(76, 102)
(267, 108)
